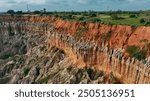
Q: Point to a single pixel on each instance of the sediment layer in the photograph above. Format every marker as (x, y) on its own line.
(59, 51)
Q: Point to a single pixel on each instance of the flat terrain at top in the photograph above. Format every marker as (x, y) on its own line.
(140, 18)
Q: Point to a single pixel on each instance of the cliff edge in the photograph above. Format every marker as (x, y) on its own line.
(46, 49)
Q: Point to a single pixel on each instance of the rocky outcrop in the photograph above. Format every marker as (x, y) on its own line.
(51, 50)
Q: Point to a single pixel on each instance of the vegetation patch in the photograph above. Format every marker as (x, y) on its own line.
(137, 18)
(4, 80)
(145, 21)
(133, 16)
(26, 71)
(94, 20)
(99, 74)
(135, 52)
(6, 55)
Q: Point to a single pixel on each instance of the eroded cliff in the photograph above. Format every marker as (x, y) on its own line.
(46, 49)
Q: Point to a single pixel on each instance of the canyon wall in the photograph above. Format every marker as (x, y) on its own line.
(98, 46)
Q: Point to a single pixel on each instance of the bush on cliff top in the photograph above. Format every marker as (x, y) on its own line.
(133, 16)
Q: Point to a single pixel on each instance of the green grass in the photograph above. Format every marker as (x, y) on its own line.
(125, 19)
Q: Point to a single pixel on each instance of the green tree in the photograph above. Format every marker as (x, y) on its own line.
(37, 12)
(11, 12)
(133, 16)
(93, 15)
(114, 17)
(142, 20)
(19, 12)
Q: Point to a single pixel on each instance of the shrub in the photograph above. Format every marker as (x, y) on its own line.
(69, 16)
(93, 15)
(37, 71)
(147, 23)
(94, 20)
(114, 17)
(133, 16)
(134, 27)
(56, 15)
(134, 51)
(139, 55)
(26, 71)
(91, 73)
(81, 18)
(142, 20)
(144, 40)
(6, 54)
(85, 14)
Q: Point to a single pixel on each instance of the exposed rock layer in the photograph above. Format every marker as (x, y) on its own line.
(51, 50)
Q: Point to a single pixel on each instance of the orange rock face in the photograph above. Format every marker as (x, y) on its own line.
(120, 36)
(98, 46)
(138, 35)
(66, 26)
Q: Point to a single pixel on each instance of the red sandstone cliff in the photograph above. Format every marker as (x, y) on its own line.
(121, 35)
(105, 40)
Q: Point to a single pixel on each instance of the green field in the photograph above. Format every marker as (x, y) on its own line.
(133, 19)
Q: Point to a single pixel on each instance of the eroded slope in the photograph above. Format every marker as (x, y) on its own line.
(26, 57)
(50, 50)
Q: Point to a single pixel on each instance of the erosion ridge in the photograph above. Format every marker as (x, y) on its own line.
(74, 45)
